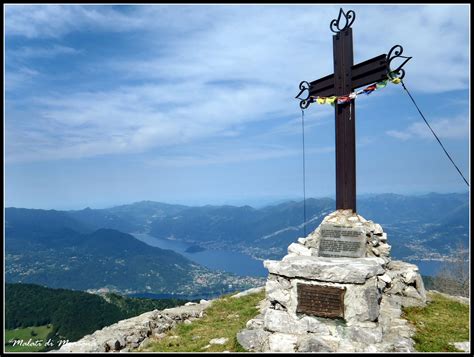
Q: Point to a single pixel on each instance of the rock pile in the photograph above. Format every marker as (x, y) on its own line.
(375, 288)
(136, 331)
(376, 239)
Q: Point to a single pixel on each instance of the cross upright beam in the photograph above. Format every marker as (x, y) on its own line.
(345, 122)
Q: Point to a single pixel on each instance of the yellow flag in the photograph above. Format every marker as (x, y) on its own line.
(331, 100)
(321, 100)
(396, 80)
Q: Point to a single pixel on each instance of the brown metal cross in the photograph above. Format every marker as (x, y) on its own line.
(345, 79)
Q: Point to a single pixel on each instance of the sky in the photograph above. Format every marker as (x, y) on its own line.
(108, 105)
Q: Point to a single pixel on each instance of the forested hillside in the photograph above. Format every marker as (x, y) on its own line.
(72, 314)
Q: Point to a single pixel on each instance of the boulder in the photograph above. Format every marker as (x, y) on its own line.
(314, 325)
(219, 341)
(314, 343)
(255, 323)
(282, 342)
(336, 270)
(299, 249)
(253, 340)
(276, 291)
(281, 321)
(361, 303)
(365, 335)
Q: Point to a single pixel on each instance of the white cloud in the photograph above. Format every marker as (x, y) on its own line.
(41, 52)
(134, 119)
(208, 71)
(19, 78)
(454, 128)
(225, 36)
(437, 37)
(55, 21)
(239, 46)
(208, 156)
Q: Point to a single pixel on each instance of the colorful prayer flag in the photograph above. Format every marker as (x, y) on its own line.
(370, 89)
(343, 99)
(347, 98)
(381, 84)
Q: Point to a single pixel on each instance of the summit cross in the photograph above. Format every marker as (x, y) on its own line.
(345, 79)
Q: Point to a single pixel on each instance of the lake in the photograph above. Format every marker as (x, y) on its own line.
(223, 260)
(242, 264)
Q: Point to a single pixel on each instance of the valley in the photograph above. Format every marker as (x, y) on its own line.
(143, 248)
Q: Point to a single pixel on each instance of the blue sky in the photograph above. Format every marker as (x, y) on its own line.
(195, 104)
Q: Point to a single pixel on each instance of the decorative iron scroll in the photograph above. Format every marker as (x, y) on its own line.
(349, 18)
(375, 71)
(304, 102)
(394, 53)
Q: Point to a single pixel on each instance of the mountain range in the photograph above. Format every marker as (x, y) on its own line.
(94, 248)
(430, 225)
(54, 249)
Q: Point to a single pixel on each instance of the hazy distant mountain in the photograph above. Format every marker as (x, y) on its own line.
(410, 221)
(391, 208)
(415, 224)
(43, 247)
(126, 218)
(72, 248)
(452, 230)
(40, 221)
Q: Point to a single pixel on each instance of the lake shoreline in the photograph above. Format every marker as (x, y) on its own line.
(243, 264)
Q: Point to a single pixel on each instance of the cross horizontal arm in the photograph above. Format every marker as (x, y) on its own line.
(367, 72)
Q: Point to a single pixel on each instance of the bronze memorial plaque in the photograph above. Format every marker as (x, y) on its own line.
(322, 301)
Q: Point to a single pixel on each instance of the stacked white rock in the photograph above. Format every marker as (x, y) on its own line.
(376, 288)
(137, 331)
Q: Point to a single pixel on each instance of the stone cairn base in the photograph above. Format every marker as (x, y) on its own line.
(376, 288)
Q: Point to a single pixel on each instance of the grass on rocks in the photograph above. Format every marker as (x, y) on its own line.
(440, 323)
(224, 318)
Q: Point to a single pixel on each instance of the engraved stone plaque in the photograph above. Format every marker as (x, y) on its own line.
(341, 241)
(319, 300)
